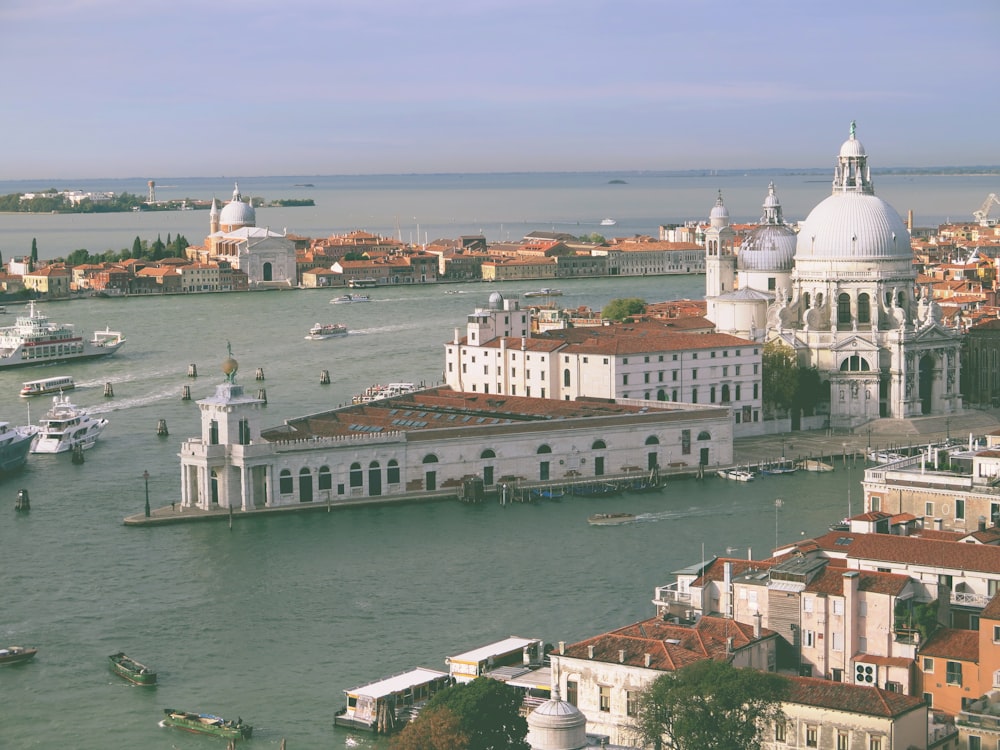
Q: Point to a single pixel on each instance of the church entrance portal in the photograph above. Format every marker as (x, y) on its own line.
(926, 384)
(268, 273)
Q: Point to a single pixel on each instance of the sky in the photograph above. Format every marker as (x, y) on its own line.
(184, 88)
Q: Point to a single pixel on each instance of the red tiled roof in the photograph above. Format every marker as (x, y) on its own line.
(842, 696)
(913, 550)
(831, 581)
(961, 645)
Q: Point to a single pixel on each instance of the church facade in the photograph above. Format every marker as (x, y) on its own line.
(842, 293)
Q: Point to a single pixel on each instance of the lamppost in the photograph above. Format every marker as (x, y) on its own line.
(777, 506)
(947, 425)
(869, 438)
(145, 478)
(844, 455)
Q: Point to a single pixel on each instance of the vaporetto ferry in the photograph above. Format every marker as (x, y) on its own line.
(33, 340)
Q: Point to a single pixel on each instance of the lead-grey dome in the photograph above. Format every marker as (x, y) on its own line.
(236, 213)
(770, 246)
(495, 301)
(853, 226)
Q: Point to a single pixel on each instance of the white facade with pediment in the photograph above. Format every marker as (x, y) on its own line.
(846, 300)
(265, 256)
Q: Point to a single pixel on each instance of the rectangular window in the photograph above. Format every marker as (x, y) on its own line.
(725, 371)
(779, 730)
(842, 740)
(694, 356)
(632, 702)
(959, 509)
(928, 665)
(571, 692)
(685, 442)
(624, 360)
(807, 604)
(975, 742)
(625, 379)
(838, 606)
(694, 374)
(928, 509)
(837, 641)
(874, 743)
(812, 736)
(737, 369)
(605, 698)
(996, 633)
(808, 638)
(953, 673)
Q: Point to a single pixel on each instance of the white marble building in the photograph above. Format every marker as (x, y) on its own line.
(847, 302)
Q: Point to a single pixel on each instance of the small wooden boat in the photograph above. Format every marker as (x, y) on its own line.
(610, 519)
(548, 493)
(207, 724)
(597, 489)
(14, 654)
(131, 670)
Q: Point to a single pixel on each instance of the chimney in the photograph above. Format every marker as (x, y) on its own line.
(562, 648)
(621, 656)
(648, 659)
(756, 625)
(590, 652)
(456, 336)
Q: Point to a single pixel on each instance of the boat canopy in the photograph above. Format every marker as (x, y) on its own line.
(397, 683)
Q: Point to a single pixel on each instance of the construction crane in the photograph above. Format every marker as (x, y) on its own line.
(983, 214)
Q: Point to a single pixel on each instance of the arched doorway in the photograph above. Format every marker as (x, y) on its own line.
(430, 475)
(267, 272)
(305, 486)
(926, 389)
(598, 445)
(374, 479)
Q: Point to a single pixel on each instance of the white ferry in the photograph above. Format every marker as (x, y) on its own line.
(33, 340)
(346, 299)
(326, 331)
(64, 427)
(545, 292)
(41, 387)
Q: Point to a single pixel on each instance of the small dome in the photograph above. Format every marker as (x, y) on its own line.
(557, 725)
(719, 212)
(852, 148)
(853, 226)
(496, 301)
(768, 247)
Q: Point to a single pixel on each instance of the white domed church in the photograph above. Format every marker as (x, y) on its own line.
(842, 293)
(266, 257)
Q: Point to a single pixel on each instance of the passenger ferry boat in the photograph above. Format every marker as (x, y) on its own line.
(326, 331)
(15, 442)
(347, 299)
(64, 427)
(41, 387)
(33, 340)
(545, 292)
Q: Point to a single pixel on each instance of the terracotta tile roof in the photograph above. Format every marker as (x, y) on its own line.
(992, 610)
(831, 581)
(961, 645)
(715, 571)
(913, 550)
(669, 646)
(842, 696)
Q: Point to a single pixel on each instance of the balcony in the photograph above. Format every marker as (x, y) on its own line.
(669, 595)
(968, 599)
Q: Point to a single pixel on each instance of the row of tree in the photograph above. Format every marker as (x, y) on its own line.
(51, 201)
(708, 705)
(140, 250)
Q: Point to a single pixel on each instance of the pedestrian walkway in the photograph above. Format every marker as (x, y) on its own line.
(881, 434)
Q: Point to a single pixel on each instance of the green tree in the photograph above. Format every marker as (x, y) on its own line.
(355, 255)
(488, 714)
(710, 705)
(137, 250)
(78, 257)
(809, 390)
(435, 729)
(623, 308)
(34, 250)
(779, 376)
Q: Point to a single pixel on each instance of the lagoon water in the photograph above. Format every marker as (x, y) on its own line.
(273, 619)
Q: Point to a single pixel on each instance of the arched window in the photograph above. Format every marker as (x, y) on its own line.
(661, 395)
(305, 486)
(325, 478)
(694, 395)
(704, 435)
(357, 475)
(844, 308)
(806, 299)
(544, 449)
(392, 471)
(598, 445)
(430, 458)
(566, 378)
(900, 299)
(864, 308)
(652, 440)
(487, 454)
(285, 484)
(725, 394)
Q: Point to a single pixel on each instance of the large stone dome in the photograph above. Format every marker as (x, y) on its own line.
(853, 226)
(237, 213)
(770, 246)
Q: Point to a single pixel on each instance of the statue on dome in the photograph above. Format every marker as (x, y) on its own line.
(854, 127)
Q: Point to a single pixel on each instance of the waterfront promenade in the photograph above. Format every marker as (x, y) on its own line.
(837, 447)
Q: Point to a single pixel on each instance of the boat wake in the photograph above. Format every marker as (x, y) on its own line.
(128, 403)
(671, 515)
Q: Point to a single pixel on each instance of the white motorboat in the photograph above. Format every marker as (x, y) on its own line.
(326, 331)
(346, 299)
(545, 292)
(33, 340)
(608, 222)
(380, 391)
(65, 426)
(736, 475)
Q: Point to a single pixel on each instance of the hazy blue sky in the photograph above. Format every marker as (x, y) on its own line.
(123, 88)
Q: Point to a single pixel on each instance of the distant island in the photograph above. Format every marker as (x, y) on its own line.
(52, 201)
(617, 182)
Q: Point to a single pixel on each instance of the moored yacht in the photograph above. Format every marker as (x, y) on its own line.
(65, 426)
(15, 442)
